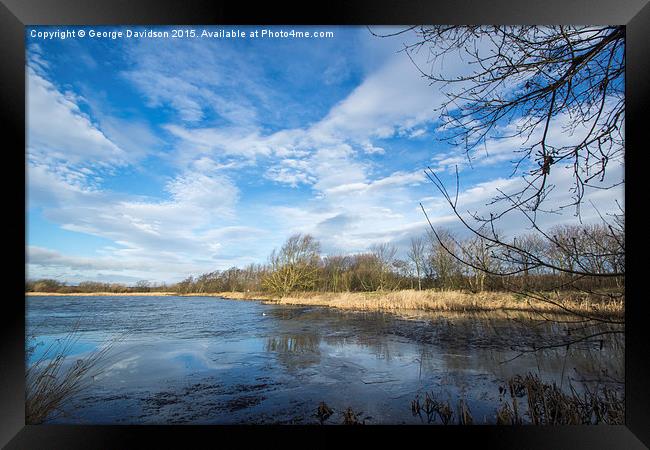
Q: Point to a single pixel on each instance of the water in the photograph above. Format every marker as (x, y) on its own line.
(207, 360)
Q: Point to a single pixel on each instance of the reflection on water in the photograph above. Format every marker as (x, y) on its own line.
(209, 360)
(296, 351)
(46, 345)
(300, 343)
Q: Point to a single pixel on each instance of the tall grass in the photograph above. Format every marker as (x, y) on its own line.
(444, 300)
(52, 381)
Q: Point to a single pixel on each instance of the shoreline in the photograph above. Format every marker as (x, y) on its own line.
(226, 295)
(99, 294)
(431, 301)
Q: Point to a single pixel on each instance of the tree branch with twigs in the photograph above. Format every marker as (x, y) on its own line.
(557, 93)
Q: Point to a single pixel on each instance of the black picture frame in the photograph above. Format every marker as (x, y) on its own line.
(16, 14)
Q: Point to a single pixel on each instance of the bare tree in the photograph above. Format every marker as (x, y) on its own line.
(294, 266)
(143, 286)
(365, 272)
(416, 254)
(336, 273)
(478, 251)
(442, 260)
(540, 80)
(385, 255)
(402, 271)
(562, 255)
(558, 91)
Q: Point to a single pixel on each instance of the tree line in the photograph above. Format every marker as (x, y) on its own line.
(51, 285)
(575, 257)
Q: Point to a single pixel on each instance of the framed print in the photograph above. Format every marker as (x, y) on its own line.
(408, 218)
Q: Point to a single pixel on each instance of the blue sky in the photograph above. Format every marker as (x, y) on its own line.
(155, 159)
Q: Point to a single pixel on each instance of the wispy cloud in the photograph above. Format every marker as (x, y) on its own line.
(59, 130)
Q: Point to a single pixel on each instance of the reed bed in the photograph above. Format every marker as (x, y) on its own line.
(445, 301)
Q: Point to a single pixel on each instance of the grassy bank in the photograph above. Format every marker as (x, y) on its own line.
(411, 300)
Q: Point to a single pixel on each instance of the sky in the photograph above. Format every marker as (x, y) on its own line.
(159, 158)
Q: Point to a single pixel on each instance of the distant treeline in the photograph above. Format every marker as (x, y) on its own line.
(49, 285)
(445, 262)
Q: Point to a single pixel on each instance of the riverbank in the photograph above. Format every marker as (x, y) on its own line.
(410, 300)
(99, 294)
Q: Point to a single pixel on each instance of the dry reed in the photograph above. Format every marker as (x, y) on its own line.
(49, 387)
(443, 301)
(541, 404)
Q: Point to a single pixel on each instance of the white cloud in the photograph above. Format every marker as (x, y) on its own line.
(372, 149)
(394, 97)
(215, 194)
(178, 231)
(58, 129)
(393, 100)
(478, 199)
(39, 256)
(394, 180)
(192, 78)
(241, 142)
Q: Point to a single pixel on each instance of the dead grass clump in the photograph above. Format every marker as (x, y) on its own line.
(352, 418)
(541, 404)
(49, 387)
(323, 412)
(432, 408)
(548, 405)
